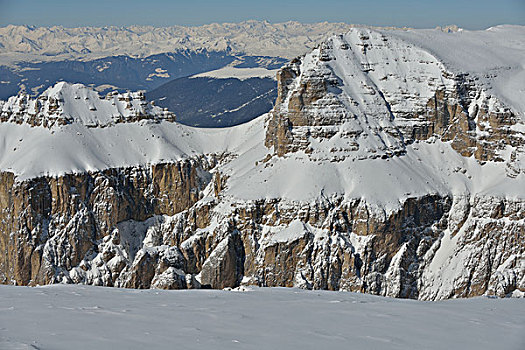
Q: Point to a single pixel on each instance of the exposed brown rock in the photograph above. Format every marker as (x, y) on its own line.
(224, 266)
(71, 212)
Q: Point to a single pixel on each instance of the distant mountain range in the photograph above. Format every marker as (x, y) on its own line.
(253, 38)
(110, 73)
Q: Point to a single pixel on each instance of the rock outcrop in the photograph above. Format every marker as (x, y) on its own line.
(56, 223)
(351, 88)
(64, 104)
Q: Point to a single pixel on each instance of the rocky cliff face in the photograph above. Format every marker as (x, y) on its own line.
(352, 88)
(55, 224)
(379, 170)
(111, 229)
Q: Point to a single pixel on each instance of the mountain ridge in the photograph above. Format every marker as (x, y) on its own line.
(409, 186)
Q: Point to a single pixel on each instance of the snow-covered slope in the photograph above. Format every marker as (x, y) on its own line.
(239, 73)
(495, 57)
(66, 103)
(384, 167)
(80, 317)
(70, 128)
(368, 96)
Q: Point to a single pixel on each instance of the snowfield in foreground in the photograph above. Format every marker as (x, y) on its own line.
(84, 317)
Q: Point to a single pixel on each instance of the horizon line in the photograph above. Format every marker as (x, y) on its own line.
(443, 26)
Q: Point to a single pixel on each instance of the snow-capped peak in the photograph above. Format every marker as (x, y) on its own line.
(66, 103)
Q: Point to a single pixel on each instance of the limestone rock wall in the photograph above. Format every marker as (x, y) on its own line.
(53, 223)
(111, 229)
(375, 112)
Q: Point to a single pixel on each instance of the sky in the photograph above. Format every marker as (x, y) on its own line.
(468, 14)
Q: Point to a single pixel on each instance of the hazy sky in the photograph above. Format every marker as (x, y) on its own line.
(470, 14)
